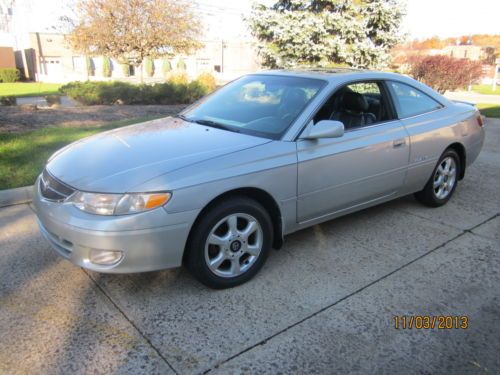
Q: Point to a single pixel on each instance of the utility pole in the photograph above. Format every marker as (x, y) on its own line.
(222, 46)
(495, 75)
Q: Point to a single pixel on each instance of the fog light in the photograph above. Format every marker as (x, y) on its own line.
(105, 257)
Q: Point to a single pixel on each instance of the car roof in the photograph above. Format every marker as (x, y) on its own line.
(332, 74)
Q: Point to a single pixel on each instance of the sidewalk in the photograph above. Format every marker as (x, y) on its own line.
(474, 97)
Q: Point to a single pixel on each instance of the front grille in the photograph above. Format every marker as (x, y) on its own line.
(53, 189)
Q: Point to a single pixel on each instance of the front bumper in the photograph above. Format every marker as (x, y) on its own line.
(149, 241)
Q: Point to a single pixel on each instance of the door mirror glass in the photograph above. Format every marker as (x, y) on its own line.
(325, 129)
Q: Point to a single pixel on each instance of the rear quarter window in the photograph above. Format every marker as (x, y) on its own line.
(411, 101)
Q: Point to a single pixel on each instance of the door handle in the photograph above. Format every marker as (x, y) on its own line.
(398, 143)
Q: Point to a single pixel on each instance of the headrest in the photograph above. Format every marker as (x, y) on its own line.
(297, 96)
(354, 101)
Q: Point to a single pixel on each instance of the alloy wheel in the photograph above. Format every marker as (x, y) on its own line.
(445, 178)
(233, 245)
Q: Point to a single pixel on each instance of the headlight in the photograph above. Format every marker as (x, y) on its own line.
(118, 204)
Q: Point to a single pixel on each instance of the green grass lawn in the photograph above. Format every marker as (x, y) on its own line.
(490, 110)
(486, 89)
(23, 156)
(19, 89)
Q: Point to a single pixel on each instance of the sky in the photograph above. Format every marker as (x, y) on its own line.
(447, 18)
(425, 18)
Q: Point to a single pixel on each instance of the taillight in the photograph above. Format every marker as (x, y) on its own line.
(479, 120)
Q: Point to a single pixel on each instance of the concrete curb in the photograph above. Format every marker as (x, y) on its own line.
(19, 195)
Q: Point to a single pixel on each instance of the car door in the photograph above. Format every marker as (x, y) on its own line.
(365, 165)
(429, 126)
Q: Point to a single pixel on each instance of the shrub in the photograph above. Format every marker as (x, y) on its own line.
(149, 67)
(207, 80)
(93, 93)
(181, 64)
(165, 93)
(166, 67)
(179, 78)
(8, 75)
(53, 100)
(195, 90)
(445, 73)
(83, 92)
(8, 100)
(106, 66)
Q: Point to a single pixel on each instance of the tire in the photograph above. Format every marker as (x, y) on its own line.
(220, 256)
(443, 181)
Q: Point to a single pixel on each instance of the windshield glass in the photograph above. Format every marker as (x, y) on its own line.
(262, 105)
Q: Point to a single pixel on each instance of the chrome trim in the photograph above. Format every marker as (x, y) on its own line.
(57, 187)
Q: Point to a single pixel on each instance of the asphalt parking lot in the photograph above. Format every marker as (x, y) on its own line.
(323, 304)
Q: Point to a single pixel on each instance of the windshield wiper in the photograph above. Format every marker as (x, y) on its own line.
(210, 123)
(214, 124)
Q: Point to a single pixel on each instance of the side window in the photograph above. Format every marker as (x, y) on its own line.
(356, 105)
(411, 101)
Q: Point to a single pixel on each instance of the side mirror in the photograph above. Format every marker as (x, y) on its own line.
(325, 129)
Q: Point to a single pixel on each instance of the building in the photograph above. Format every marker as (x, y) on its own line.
(49, 58)
(7, 59)
(471, 52)
(27, 26)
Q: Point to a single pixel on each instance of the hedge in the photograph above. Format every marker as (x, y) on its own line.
(8, 75)
(95, 93)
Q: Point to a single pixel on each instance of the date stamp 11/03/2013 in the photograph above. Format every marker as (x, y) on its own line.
(430, 321)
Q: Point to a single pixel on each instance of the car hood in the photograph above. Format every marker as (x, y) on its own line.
(117, 160)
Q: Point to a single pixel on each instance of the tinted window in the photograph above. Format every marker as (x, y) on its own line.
(356, 104)
(411, 102)
(262, 105)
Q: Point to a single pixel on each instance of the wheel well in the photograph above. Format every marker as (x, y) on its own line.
(261, 196)
(460, 150)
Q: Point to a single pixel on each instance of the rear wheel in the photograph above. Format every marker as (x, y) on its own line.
(230, 243)
(443, 181)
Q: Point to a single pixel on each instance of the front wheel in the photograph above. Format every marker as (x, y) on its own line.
(443, 181)
(230, 243)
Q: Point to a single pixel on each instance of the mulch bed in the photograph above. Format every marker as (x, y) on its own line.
(19, 119)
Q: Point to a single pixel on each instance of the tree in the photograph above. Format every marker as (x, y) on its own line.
(125, 70)
(181, 64)
(106, 66)
(166, 67)
(131, 30)
(327, 32)
(89, 66)
(445, 73)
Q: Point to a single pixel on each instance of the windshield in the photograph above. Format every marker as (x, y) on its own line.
(262, 105)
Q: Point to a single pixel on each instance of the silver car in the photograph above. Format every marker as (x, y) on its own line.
(216, 187)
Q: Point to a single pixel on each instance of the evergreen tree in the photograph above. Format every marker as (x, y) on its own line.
(327, 32)
(181, 65)
(106, 66)
(149, 67)
(166, 67)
